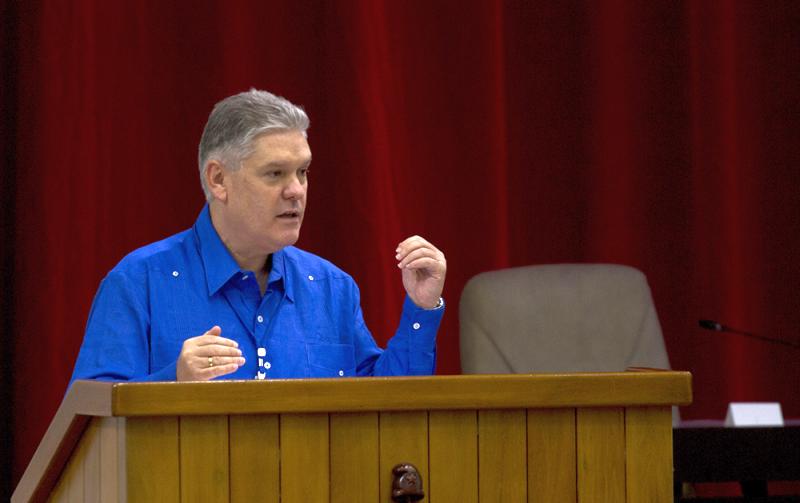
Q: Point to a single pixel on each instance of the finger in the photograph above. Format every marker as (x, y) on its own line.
(403, 250)
(209, 336)
(217, 350)
(220, 361)
(207, 340)
(417, 254)
(412, 241)
(217, 370)
(431, 265)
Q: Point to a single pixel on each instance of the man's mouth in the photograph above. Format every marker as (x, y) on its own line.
(290, 214)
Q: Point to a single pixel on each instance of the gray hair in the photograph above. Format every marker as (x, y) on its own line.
(238, 120)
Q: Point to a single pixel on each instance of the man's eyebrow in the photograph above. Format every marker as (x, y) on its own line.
(283, 164)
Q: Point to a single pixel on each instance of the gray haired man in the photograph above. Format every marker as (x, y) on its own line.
(233, 297)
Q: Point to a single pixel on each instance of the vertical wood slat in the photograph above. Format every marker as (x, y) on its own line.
(354, 458)
(403, 439)
(502, 450)
(152, 467)
(601, 455)
(648, 443)
(69, 489)
(305, 473)
(255, 458)
(453, 441)
(80, 479)
(551, 455)
(75, 486)
(110, 429)
(204, 458)
(92, 462)
(75, 471)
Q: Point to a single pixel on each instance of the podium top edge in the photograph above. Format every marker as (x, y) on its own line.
(477, 391)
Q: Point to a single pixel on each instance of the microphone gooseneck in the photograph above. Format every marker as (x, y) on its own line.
(719, 327)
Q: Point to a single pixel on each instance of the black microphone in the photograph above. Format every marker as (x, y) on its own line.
(719, 327)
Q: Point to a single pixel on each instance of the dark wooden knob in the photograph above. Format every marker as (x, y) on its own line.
(406, 483)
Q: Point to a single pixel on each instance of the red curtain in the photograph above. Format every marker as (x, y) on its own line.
(663, 135)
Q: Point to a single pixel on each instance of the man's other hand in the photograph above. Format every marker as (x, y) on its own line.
(208, 356)
(424, 268)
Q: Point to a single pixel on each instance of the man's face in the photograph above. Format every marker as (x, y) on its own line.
(266, 197)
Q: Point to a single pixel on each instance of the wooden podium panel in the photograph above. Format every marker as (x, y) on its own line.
(552, 468)
(453, 449)
(480, 438)
(354, 446)
(262, 464)
(502, 448)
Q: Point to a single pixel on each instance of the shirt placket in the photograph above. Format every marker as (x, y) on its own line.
(260, 331)
(264, 319)
(244, 297)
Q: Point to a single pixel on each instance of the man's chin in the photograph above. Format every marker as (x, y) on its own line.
(289, 239)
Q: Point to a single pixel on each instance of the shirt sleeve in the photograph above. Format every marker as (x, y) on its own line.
(412, 350)
(116, 343)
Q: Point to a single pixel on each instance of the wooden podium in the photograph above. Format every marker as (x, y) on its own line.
(604, 437)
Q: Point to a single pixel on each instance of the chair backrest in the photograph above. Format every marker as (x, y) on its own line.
(559, 318)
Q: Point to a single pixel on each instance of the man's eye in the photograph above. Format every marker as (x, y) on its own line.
(304, 172)
(274, 174)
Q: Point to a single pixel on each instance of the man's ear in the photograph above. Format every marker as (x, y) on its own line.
(215, 180)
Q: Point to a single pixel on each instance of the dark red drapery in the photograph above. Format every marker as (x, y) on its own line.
(661, 135)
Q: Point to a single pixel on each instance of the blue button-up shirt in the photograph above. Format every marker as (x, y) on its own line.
(307, 324)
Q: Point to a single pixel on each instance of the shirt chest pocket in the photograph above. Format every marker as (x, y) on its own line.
(330, 360)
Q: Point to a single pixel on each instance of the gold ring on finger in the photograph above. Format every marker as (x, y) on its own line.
(210, 361)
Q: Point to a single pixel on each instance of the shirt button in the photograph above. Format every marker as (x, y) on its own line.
(260, 319)
(267, 365)
(175, 273)
(341, 372)
(310, 277)
(416, 326)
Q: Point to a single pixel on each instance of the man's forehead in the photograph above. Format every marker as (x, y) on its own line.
(282, 147)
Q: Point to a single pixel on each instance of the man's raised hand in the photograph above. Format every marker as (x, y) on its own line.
(424, 268)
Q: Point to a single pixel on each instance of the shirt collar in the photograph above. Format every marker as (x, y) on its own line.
(278, 274)
(220, 266)
(217, 260)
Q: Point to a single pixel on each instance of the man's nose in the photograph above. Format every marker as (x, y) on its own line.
(295, 189)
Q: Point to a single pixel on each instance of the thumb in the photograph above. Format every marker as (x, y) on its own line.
(215, 330)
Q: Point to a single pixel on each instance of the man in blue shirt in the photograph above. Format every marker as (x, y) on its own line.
(232, 297)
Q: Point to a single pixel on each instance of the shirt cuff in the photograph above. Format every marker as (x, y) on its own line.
(421, 324)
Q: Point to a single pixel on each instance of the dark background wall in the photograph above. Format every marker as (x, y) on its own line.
(663, 135)
(8, 88)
